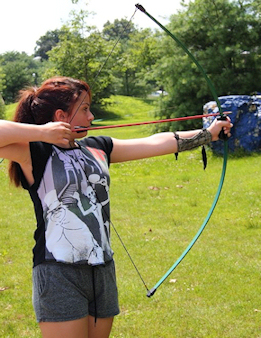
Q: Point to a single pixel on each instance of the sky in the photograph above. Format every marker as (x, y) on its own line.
(23, 22)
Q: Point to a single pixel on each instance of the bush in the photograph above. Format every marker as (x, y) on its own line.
(2, 108)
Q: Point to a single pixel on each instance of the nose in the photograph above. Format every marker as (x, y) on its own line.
(90, 116)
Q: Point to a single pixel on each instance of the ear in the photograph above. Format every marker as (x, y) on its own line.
(60, 115)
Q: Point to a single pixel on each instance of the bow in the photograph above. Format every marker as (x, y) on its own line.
(222, 136)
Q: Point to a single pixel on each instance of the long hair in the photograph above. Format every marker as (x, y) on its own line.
(38, 106)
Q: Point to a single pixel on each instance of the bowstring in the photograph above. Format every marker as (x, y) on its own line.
(112, 224)
(124, 246)
(116, 43)
(105, 61)
(105, 213)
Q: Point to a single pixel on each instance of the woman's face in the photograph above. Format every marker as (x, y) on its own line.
(81, 114)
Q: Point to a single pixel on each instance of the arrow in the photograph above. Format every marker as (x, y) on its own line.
(79, 129)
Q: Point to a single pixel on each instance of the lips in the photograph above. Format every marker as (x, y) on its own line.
(80, 129)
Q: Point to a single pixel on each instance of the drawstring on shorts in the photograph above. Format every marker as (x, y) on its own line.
(94, 294)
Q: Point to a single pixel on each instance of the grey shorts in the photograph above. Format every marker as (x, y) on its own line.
(63, 292)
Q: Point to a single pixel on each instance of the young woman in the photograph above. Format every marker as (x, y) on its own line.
(74, 283)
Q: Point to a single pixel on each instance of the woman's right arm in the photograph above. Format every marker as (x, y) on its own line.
(15, 137)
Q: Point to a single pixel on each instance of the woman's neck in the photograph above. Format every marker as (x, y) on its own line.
(71, 144)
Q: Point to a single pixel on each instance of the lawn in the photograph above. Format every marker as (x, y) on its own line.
(158, 206)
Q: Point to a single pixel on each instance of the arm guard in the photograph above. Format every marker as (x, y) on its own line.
(203, 137)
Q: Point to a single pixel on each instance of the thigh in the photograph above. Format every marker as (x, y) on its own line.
(57, 293)
(70, 329)
(80, 328)
(99, 329)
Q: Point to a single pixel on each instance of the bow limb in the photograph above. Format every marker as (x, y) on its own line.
(211, 210)
(173, 267)
(181, 44)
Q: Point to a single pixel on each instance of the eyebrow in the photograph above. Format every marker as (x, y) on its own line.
(86, 103)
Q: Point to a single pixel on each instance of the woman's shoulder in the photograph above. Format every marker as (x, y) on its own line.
(98, 142)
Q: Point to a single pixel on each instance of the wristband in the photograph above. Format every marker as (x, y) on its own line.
(201, 138)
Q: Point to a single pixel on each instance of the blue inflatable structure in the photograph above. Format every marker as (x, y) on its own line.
(246, 118)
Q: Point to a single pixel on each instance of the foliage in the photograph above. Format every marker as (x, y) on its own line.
(2, 108)
(2, 86)
(136, 54)
(158, 205)
(123, 59)
(116, 63)
(119, 29)
(254, 7)
(46, 43)
(20, 71)
(10, 110)
(80, 53)
(134, 61)
(2, 77)
(224, 37)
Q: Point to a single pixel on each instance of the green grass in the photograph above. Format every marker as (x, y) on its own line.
(158, 205)
(9, 111)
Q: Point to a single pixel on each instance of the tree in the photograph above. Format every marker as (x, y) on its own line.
(2, 108)
(2, 86)
(119, 29)
(224, 37)
(2, 77)
(80, 53)
(133, 58)
(139, 54)
(46, 43)
(20, 71)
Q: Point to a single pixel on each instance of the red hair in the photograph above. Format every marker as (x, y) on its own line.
(38, 106)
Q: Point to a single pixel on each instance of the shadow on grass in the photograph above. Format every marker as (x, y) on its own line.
(103, 114)
(238, 153)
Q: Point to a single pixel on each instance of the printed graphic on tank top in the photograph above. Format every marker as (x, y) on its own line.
(74, 193)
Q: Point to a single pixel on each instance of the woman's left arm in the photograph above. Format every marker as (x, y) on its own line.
(134, 149)
(166, 143)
